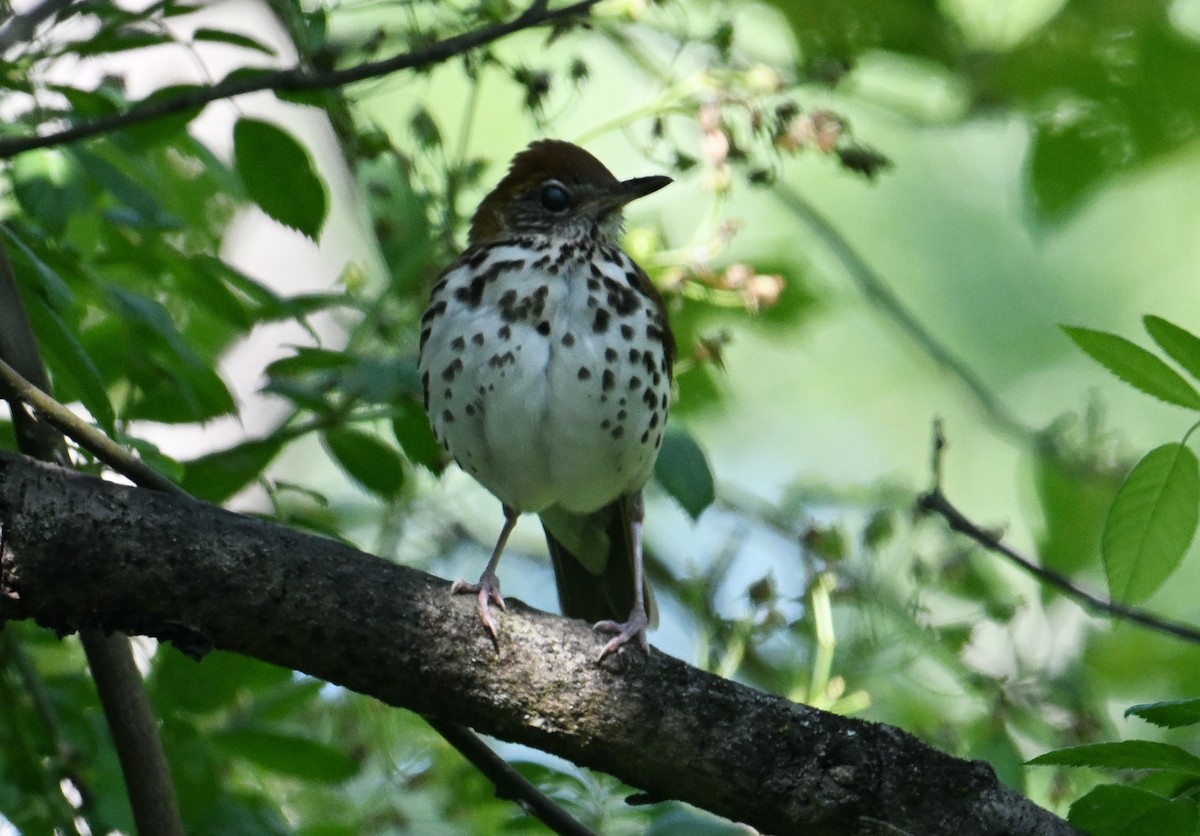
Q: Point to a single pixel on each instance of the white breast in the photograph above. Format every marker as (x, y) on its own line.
(544, 380)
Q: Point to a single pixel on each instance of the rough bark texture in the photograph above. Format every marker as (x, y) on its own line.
(77, 552)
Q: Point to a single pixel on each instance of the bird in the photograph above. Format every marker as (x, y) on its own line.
(546, 362)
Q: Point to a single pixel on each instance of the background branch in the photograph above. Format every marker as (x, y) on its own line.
(294, 79)
(935, 502)
(119, 685)
(79, 552)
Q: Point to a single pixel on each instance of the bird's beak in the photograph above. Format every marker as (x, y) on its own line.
(627, 191)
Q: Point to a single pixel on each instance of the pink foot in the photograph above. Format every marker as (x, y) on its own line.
(634, 628)
(488, 590)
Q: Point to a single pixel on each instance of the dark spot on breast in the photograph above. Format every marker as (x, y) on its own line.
(621, 298)
(664, 400)
(568, 339)
(470, 410)
(584, 373)
(593, 283)
(610, 355)
(605, 424)
(478, 338)
(608, 380)
(627, 330)
(504, 333)
(543, 328)
(452, 370)
(653, 332)
(433, 311)
(600, 323)
(621, 415)
(447, 416)
(478, 257)
(498, 360)
(618, 431)
(425, 332)
(649, 398)
(425, 389)
(472, 294)
(592, 301)
(635, 383)
(458, 344)
(653, 420)
(645, 436)
(634, 355)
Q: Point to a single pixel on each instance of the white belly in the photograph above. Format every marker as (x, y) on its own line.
(557, 403)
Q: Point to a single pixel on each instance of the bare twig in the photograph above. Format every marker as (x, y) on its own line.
(20, 27)
(935, 502)
(876, 290)
(509, 783)
(295, 79)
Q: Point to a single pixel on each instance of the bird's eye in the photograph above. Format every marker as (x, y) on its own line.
(554, 198)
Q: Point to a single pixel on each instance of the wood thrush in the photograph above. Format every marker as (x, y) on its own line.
(546, 361)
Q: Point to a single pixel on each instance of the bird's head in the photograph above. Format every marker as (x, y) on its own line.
(556, 188)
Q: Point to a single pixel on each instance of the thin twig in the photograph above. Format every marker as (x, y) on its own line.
(84, 434)
(20, 27)
(935, 502)
(509, 783)
(295, 79)
(876, 290)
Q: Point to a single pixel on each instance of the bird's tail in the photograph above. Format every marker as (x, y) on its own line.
(594, 562)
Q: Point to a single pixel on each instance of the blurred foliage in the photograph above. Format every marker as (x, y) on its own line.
(119, 245)
(1106, 87)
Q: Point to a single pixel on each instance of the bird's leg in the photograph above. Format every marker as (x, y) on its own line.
(635, 626)
(488, 587)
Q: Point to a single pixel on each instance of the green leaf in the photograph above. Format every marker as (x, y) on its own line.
(1112, 810)
(1136, 366)
(1151, 523)
(1074, 506)
(279, 176)
(47, 185)
(217, 476)
(683, 471)
(306, 360)
(1170, 714)
(1124, 754)
(232, 38)
(287, 754)
(179, 682)
(1181, 345)
(411, 428)
(76, 375)
(367, 460)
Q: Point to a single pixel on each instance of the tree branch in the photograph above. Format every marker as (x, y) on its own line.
(294, 79)
(76, 552)
(509, 783)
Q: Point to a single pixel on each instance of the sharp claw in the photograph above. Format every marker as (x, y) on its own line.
(487, 590)
(634, 628)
